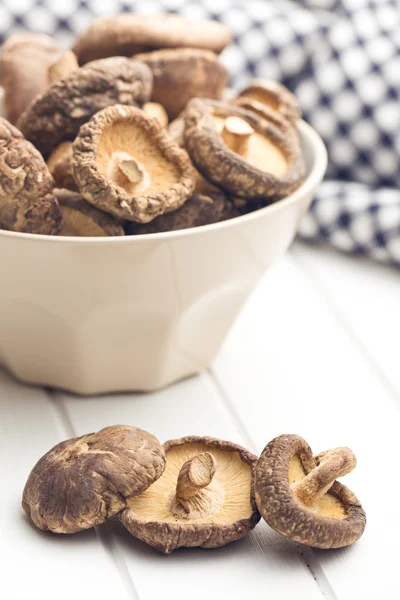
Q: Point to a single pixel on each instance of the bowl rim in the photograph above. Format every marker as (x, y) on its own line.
(315, 176)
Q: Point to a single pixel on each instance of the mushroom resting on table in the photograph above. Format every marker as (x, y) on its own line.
(27, 202)
(128, 34)
(81, 219)
(58, 113)
(126, 164)
(297, 493)
(204, 498)
(182, 74)
(274, 95)
(240, 152)
(86, 480)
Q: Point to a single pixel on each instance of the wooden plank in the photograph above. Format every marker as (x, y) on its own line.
(35, 564)
(262, 565)
(289, 366)
(366, 294)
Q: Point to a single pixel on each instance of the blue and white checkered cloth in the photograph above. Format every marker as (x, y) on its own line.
(342, 60)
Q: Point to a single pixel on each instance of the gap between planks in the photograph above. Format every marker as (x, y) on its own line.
(306, 554)
(343, 320)
(104, 533)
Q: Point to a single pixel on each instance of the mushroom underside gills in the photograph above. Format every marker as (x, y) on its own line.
(312, 488)
(255, 148)
(199, 485)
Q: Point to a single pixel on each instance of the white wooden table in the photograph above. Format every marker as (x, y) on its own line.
(315, 352)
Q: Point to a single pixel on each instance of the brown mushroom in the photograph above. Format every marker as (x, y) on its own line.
(86, 480)
(184, 73)
(126, 164)
(157, 111)
(60, 166)
(57, 114)
(275, 96)
(128, 34)
(27, 203)
(298, 496)
(176, 130)
(24, 62)
(239, 152)
(81, 219)
(200, 209)
(204, 498)
(62, 67)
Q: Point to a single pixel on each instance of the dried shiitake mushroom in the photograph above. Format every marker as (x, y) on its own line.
(81, 219)
(275, 95)
(204, 498)
(25, 59)
(298, 496)
(157, 111)
(200, 209)
(239, 152)
(60, 166)
(126, 164)
(27, 203)
(86, 480)
(57, 114)
(176, 130)
(184, 73)
(62, 67)
(128, 34)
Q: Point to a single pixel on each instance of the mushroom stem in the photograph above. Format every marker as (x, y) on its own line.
(63, 66)
(330, 465)
(130, 170)
(236, 134)
(195, 474)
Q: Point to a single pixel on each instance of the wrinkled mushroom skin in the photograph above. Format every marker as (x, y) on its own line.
(182, 74)
(200, 209)
(27, 203)
(86, 480)
(24, 62)
(60, 166)
(58, 114)
(228, 169)
(165, 169)
(128, 34)
(81, 219)
(180, 531)
(274, 95)
(287, 515)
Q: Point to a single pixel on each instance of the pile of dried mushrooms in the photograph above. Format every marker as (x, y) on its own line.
(194, 491)
(129, 133)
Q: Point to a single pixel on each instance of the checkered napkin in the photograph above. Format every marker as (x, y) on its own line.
(342, 60)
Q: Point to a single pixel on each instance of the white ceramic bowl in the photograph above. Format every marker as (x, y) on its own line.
(95, 315)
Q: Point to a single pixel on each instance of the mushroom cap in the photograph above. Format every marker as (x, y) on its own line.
(86, 480)
(27, 203)
(125, 131)
(199, 209)
(60, 166)
(231, 510)
(182, 74)
(275, 95)
(81, 219)
(128, 34)
(24, 62)
(57, 114)
(274, 166)
(339, 519)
